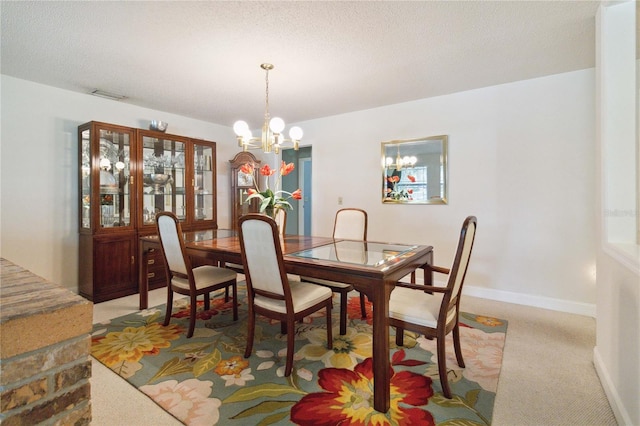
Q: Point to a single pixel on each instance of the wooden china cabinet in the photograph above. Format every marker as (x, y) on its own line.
(127, 175)
(240, 183)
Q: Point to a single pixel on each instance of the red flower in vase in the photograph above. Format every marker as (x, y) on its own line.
(272, 199)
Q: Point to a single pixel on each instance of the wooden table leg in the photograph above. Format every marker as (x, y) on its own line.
(381, 364)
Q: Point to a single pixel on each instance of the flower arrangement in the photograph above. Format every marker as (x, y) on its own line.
(392, 188)
(271, 199)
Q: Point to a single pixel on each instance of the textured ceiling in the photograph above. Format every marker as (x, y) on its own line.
(201, 59)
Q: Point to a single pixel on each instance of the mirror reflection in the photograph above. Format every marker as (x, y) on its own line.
(414, 171)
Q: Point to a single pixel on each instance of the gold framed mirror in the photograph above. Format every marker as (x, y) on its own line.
(414, 171)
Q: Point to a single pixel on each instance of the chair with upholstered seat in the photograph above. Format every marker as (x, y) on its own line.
(269, 291)
(183, 278)
(280, 217)
(349, 224)
(431, 310)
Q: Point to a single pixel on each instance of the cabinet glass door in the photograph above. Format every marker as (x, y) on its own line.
(163, 177)
(114, 172)
(203, 182)
(85, 178)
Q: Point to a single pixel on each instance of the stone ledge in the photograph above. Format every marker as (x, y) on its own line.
(45, 344)
(36, 313)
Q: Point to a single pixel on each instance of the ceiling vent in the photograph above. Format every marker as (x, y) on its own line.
(108, 95)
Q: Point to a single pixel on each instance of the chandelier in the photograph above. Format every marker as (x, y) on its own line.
(271, 139)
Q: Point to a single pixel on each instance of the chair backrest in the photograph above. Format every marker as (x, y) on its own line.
(170, 233)
(262, 255)
(281, 220)
(458, 270)
(350, 224)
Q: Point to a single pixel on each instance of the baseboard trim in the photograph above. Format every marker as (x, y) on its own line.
(587, 309)
(622, 416)
(578, 308)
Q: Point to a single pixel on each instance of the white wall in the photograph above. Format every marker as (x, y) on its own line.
(521, 158)
(617, 348)
(39, 216)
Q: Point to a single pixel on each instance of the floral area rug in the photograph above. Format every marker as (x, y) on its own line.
(205, 380)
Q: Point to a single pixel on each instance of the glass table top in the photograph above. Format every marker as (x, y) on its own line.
(357, 252)
(208, 234)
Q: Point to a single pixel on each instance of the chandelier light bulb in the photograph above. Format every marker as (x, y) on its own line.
(240, 127)
(389, 161)
(276, 125)
(246, 134)
(120, 165)
(295, 133)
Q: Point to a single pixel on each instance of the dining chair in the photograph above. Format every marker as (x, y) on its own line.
(432, 310)
(269, 291)
(280, 217)
(183, 278)
(349, 224)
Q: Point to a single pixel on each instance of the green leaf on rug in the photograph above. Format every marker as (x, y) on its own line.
(207, 363)
(273, 419)
(189, 348)
(171, 367)
(469, 402)
(472, 397)
(455, 401)
(234, 348)
(264, 390)
(264, 407)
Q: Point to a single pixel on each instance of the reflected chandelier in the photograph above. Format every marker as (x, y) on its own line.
(272, 138)
(401, 162)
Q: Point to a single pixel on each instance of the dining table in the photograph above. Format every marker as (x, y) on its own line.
(373, 268)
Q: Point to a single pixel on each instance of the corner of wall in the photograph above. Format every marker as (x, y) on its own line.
(617, 406)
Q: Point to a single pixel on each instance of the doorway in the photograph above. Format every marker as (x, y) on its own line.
(299, 219)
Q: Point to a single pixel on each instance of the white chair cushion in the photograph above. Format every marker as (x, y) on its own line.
(206, 276)
(303, 296)
(325, 282)
(415, 306)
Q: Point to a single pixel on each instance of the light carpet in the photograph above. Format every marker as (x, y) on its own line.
(205, 380)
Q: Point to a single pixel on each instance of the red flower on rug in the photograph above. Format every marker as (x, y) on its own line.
(218, 306)
(348, 398)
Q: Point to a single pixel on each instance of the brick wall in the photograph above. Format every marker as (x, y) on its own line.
(44, 351)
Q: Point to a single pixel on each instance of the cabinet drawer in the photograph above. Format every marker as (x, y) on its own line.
(156, 272)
